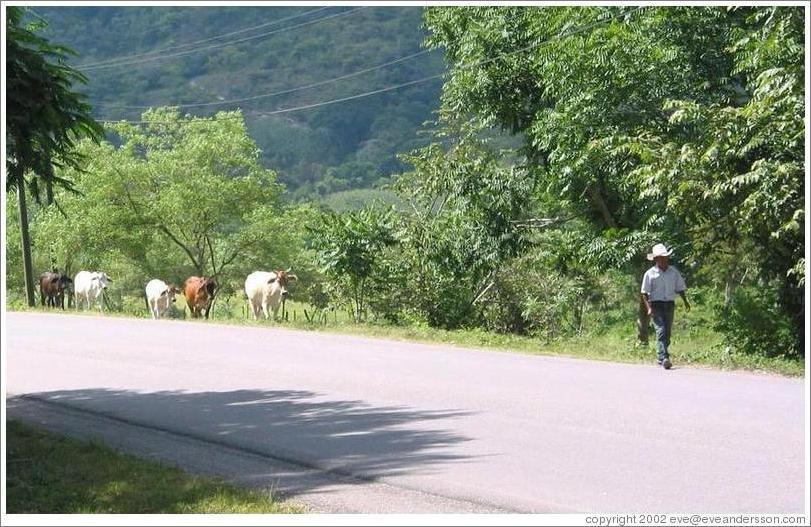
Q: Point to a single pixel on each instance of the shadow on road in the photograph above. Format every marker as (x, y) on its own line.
(347, 437)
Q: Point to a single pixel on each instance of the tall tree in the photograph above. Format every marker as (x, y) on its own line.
(44, 120)
(178, 195)
(681, 122)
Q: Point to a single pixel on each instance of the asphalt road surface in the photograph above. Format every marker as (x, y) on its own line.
(368, 425)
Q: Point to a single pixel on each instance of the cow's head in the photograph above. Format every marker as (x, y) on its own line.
(59, 283)
(102, 279)
(65, 283)
(283, 278)
(210, 286)
(170, 292)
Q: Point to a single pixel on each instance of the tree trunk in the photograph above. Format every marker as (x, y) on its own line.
(597, 199)
(28, 271)
(49, 174)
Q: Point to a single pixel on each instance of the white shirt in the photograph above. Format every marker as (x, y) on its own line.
(662, 286)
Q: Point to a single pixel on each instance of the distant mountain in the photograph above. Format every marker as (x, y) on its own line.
(213, 54)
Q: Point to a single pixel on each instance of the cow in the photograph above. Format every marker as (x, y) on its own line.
(52, 288)
(159, 297)
(199, 292)
(266, 290)
(89, 286)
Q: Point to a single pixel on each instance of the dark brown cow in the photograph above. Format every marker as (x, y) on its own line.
(52, 288)
(199, 292)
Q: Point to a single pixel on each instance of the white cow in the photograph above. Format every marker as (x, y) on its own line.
(89, 287)
(159, 297)
(266, 290)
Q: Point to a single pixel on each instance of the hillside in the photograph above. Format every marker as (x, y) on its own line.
(189, 55)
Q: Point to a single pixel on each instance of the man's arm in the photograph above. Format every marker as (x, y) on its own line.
(681, 289)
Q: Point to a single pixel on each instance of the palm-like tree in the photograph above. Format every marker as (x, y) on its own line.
(44, 120)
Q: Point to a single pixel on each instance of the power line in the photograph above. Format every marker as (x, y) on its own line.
(110, 62)
(225, 44)
(283, 92)
(405, 84)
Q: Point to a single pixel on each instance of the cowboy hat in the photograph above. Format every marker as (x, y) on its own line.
(659, 250)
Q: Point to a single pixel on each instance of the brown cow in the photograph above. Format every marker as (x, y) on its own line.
(199, 292)
(52, 288)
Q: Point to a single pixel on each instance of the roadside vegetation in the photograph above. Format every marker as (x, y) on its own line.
(52, 474)
(553, 167)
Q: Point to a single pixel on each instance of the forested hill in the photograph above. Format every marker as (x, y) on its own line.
(147, 56)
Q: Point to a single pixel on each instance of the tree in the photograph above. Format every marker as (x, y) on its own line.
(178, 196)
(349, 246)
(677, 123)
(44, 120)
(196, 181)
(740, 164)
(466, 210)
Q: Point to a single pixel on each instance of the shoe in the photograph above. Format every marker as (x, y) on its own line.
(667, 364)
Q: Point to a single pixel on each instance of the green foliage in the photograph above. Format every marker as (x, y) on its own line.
(626, 127)
(359, 198)
(547, 291)
(755, 324)
(301, 146)
(44, 120)
(45, 117)
(348, 247)
(181, 196)
(680, 124)
(740, 163)
(464, 206)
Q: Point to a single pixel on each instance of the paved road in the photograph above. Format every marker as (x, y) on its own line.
(446, 428)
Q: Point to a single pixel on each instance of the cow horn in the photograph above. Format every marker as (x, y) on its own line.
(289, 269)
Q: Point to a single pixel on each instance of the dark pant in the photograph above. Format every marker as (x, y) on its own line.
(663, 324)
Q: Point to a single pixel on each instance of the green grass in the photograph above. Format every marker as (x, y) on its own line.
(50, 474)
(609, 337)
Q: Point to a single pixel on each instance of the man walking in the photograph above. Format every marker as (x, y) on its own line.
(660, 285)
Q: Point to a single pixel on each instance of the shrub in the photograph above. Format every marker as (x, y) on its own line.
(756, 324)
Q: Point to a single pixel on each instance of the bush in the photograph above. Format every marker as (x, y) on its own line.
(755, 324)
(545, 294)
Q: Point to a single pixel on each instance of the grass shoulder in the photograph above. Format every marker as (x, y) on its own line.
(52, 474)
